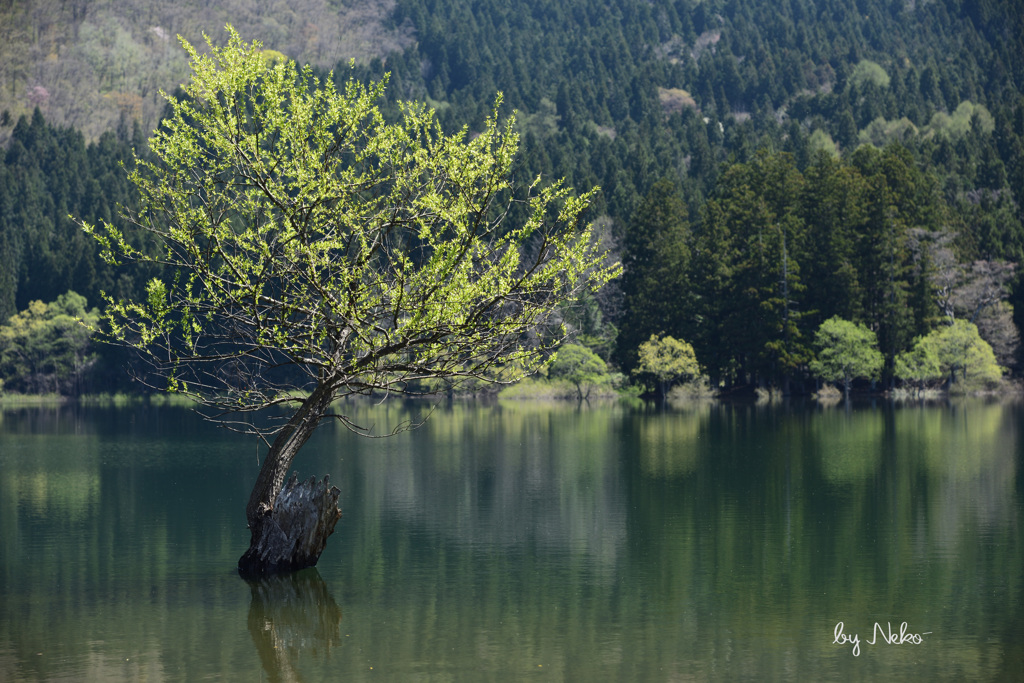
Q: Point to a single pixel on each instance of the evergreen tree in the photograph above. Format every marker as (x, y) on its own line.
(655, 259)
(833, 209)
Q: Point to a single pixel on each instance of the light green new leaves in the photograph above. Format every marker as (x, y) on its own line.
(668, 360)
(45, 348)
(581, 366)
(304, 230)
(954, 351)
(845, 351)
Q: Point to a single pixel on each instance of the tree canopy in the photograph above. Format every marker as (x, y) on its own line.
(314, 250)
(668, 360)
(45, 348)
(954, 352)
(304, 231)
(845, 351)
(581, 366)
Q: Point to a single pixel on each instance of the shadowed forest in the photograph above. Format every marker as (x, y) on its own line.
(765, 167)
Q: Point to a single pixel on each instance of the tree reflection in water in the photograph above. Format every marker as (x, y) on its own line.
(292, 616)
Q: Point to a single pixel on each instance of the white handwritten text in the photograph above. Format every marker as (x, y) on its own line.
(890, 637)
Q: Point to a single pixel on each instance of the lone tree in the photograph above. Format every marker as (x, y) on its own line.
(313, 250)
(846, 350)
(581, 366)
(668, 360)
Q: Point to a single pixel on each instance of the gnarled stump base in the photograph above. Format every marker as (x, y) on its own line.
(294, 533)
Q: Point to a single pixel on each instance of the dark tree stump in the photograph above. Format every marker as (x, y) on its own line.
(294, 532)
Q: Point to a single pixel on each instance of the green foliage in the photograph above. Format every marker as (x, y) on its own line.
(920, 364)
(881, 132)
(581, 366)
(867, 71)
(312, 244)
(822, 141)
(667, 360)
(833, 209)
(751, 249)
(963, 355)
(966, 117)
(845, 351)
(956, 352)
(899, 202)
(47, 173)
(655, 260)
(46, 348)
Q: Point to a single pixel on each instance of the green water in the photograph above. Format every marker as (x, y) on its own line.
(520, 542)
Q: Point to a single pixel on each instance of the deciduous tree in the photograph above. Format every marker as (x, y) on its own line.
(845, 351)
(581, 366)
(315, 251)
(956, 352)
(46, 348)
(668, 360)
(919, 364)
(963, 354)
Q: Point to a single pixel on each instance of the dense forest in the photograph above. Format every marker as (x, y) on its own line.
(765, 166)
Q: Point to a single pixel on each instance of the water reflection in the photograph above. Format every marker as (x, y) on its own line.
(487, 477)
(500, 542)
(668, 442)
(291, 618)
(849, 444)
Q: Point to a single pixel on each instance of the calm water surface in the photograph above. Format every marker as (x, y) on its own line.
(520, 541)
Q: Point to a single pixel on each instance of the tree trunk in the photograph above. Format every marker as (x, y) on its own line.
(294, 533)
(290, 525)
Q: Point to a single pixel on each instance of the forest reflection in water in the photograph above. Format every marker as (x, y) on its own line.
(498, 542)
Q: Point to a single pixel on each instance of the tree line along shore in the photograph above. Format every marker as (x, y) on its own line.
(779, 183)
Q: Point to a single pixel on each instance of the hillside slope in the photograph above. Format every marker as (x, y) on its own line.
(764, 165)
(84, 64)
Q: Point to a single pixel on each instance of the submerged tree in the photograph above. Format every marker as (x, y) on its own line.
(314, 251)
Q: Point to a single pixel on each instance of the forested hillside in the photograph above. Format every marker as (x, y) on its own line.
(764, 165)
(88, 64)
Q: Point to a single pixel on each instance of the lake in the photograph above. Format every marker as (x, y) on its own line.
(523, 541)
